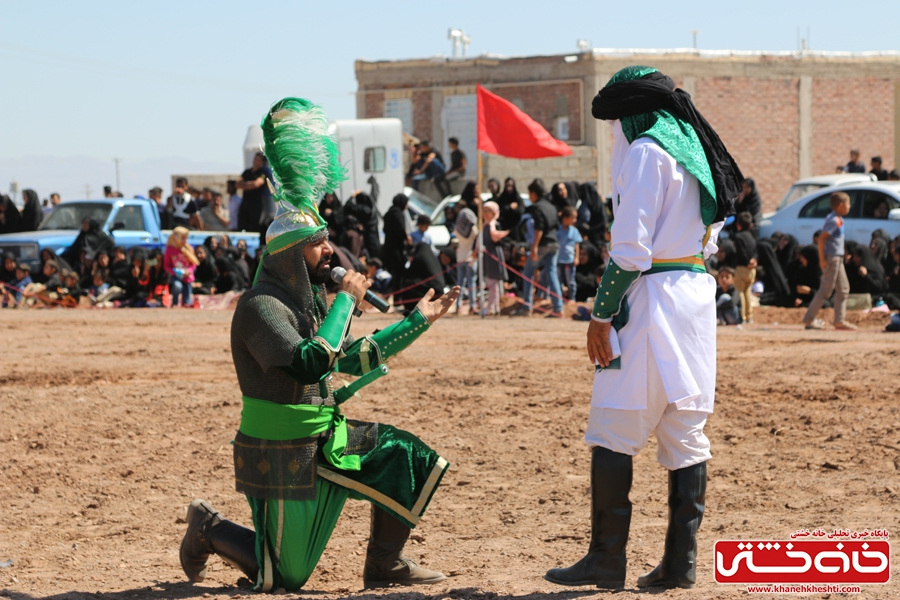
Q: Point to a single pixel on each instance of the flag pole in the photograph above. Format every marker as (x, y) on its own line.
(480, 240)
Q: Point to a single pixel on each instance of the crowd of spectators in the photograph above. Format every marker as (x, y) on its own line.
(782, 271)
(553, 246)
(96, 272)
(557, 238)
(855, 165)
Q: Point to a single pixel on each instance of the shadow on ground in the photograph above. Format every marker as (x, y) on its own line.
(165, 591)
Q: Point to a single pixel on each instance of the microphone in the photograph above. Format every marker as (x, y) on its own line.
(337, 275)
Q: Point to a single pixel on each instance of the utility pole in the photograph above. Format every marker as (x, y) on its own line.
(118, 186)
(87, 191)
(694, 33)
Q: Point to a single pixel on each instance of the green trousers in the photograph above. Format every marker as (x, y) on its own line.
(400, 475)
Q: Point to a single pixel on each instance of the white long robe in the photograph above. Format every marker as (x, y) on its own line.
(672, 315)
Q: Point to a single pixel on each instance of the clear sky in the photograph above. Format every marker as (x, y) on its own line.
(162, 79)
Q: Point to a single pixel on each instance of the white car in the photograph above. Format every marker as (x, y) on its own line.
(808, 185)
(872, 206)
(420, 204)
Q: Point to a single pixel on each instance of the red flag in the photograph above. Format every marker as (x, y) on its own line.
(505, 130)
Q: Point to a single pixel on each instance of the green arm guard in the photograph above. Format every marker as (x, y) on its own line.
(367, 353)
(611, 291)
(334, 329)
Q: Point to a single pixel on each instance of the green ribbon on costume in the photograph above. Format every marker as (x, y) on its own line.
(343, 394)
(280, 422)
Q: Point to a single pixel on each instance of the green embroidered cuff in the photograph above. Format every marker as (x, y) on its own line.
(611, 291)
(334, 329)
(396, 338)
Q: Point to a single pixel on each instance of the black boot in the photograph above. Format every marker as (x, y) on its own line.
(385, 563)
(687, 499)
(209, 533)
(604, 565)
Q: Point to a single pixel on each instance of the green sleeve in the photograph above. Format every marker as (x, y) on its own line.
(613, 286)
(312, 362)
(314, 358)
(368, 353)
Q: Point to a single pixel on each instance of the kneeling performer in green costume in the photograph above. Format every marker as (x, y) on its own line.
(296, 458)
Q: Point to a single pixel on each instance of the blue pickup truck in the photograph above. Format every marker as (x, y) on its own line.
(130, 222)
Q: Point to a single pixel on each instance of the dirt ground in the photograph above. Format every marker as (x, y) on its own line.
(111, 422)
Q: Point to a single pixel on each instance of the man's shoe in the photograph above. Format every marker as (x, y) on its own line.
(816, 324)
(385, 563)
(593, 569)
(845, 326)
(522, 311)
(687, 500)
(402, 571)
(196, 546)
(208, 532)
(605, 564)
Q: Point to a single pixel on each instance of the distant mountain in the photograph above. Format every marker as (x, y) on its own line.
(70, 175)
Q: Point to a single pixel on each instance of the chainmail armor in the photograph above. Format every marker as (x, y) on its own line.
(269, 322)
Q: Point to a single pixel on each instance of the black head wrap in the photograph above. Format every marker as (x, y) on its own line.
(638, 91)
(32, 213)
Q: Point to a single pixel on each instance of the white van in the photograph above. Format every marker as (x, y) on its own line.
(372, 152)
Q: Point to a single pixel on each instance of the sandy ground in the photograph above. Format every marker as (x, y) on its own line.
(111, 422)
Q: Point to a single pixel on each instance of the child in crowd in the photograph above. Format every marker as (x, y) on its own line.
(494, 258)
(381, 279)
(420, 234)
(758, 286)
(70, 293)
(569, 238)
(47, 292)
(831, 259)
(727, 299)
(180, 262)
(12, 293)
(745, 257)
(100, 284)
(156, 280)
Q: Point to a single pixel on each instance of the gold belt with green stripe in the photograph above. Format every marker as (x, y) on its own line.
(694, 264)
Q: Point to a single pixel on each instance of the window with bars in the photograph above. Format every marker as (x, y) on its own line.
(400, 108)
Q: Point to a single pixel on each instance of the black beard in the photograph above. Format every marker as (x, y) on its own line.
(321, 274)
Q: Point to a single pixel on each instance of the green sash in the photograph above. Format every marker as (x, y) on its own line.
(279, 422)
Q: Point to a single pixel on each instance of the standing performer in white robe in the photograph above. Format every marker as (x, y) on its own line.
(653, 333)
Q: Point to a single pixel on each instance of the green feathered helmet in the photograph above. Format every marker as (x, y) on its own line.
(305, 162)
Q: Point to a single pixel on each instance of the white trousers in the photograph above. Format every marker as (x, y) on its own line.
(679, 433)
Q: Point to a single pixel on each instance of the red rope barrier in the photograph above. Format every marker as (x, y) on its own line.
(418, 283)
(533, 282)
(46, 300)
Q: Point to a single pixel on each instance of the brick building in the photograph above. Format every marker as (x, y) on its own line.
(783, 115)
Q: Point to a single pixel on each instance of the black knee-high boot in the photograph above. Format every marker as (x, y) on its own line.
(687, 500)
(209, 533)
(604, 565)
